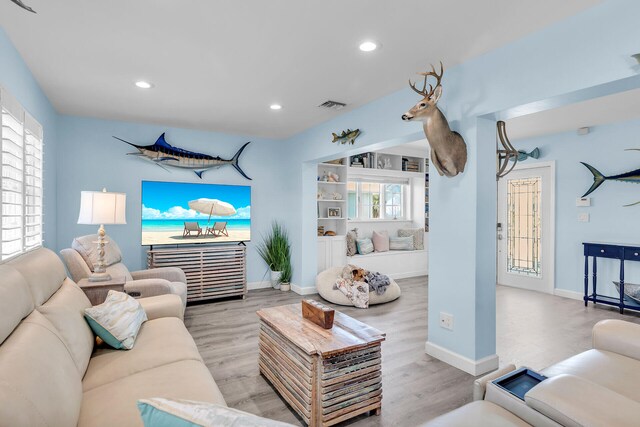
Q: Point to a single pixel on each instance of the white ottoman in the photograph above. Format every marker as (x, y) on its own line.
(327, 279)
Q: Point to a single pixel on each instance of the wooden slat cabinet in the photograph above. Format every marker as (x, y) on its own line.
(212, 271)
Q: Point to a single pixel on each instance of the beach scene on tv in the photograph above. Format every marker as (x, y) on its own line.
(183, 213)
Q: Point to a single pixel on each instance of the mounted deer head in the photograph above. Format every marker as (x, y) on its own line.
(448, 150)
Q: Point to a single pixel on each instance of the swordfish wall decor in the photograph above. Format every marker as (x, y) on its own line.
(163, 154)
(598, 178)
(24, 6)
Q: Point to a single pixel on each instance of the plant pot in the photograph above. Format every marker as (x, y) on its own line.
(275, 279)
(285, 286)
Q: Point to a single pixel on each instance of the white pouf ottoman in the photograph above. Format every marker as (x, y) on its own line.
(327, 279)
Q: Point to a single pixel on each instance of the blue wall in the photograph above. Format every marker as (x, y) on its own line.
(90, 159)
(580, 53)
(16, 78)
(604, 148)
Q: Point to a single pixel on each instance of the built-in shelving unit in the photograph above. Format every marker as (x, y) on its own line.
(331, 198)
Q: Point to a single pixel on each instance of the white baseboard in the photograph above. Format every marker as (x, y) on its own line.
(258, 285)
(568, 294)
(309, 290)
(408, 274)
(473, 367)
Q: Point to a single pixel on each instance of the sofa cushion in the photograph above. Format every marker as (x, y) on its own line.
(160, 342)
(610, 370)
(159, 412)
(39, 381)
(418, 236)
(65, 310)
(88, 249)
(15, 300)
(114, 404)
(119, 270)
(117, 320)
(480, 413)
(43, 271)
(380, 241)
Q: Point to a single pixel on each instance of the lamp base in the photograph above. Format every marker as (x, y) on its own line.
(99, 277)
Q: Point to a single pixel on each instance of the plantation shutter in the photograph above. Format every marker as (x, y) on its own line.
(21, 171)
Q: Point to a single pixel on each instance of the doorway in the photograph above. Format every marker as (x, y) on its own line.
(526, 228)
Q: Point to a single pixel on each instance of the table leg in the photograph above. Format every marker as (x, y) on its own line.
(586, 280)
(622, 286)
(595, 278)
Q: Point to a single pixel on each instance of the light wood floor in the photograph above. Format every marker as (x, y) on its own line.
(533, 330)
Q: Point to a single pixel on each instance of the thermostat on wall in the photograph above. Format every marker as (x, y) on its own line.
(583, 201)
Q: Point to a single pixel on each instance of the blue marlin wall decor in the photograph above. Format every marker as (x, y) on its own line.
(163, 154)
(599, 179)
(24, 6)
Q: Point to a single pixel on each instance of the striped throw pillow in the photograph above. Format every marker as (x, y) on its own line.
(401, 243)
(365, 246)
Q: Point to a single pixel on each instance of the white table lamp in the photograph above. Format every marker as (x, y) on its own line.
(100, 207)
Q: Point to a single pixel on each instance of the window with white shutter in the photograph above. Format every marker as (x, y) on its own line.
(21, 172)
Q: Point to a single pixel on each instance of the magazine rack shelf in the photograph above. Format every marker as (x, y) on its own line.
(212, 271)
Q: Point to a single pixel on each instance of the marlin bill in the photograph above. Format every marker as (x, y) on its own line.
(163, 154)
(599, 179)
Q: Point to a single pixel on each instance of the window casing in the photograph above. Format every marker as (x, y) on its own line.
(21, 174)
(371, 201)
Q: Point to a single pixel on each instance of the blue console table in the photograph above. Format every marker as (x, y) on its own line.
(612, 251)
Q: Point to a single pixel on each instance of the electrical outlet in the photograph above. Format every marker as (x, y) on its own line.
(446, 321)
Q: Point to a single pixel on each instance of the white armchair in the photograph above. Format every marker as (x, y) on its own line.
(82, 256)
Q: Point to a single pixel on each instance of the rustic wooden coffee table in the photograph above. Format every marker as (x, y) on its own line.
(326, 375)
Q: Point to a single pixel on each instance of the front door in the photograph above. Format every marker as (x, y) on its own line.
(526, 228)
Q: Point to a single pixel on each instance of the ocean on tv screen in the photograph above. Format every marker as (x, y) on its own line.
(185, 213)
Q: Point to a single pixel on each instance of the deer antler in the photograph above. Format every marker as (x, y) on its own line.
(424, 92)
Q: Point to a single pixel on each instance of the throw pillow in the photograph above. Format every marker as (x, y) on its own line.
(418, 236)
(352, 235)
(380, 241)
(87, 247)
(401, 243)
(160, 412)
(365, 246)
(117, 320)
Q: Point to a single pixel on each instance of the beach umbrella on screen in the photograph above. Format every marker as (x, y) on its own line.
(212, 207)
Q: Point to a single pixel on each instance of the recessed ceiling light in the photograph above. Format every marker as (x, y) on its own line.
(275, 107)
(368, 46)
(144, 85)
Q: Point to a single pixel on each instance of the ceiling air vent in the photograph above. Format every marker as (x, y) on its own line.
(333, 105)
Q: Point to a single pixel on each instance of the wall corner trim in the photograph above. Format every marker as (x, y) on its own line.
(473, 367)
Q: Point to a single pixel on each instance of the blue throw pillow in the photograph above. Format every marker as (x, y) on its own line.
(365, 246)
(401, 243)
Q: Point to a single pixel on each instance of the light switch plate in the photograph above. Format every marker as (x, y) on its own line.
(583, 201)
(583, 217)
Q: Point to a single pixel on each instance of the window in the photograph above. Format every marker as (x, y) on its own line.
(21, 172)
(523, 226)
(368, 200)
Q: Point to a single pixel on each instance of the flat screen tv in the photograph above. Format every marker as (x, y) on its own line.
(175, 213)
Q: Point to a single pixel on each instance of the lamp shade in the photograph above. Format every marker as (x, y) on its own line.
(100, 207)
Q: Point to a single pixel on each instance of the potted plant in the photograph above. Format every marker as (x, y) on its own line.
(275, 250)
(285, 277)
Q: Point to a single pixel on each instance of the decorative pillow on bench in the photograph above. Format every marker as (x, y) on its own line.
(401, 243)
(418, 236)
(380, 241)
(160, 412)
(365, 246)
(117, 320)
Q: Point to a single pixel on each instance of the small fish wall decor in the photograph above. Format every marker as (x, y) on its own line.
(523, 155)
(599, 178)
(24, 6)
(163, 154)
(347, 136)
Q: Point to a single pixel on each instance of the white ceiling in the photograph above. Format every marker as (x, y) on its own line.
(615, 108)
(219, 65)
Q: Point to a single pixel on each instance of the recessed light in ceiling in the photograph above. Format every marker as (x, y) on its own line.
(275, 107)
(144, 85)
(368, 46)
